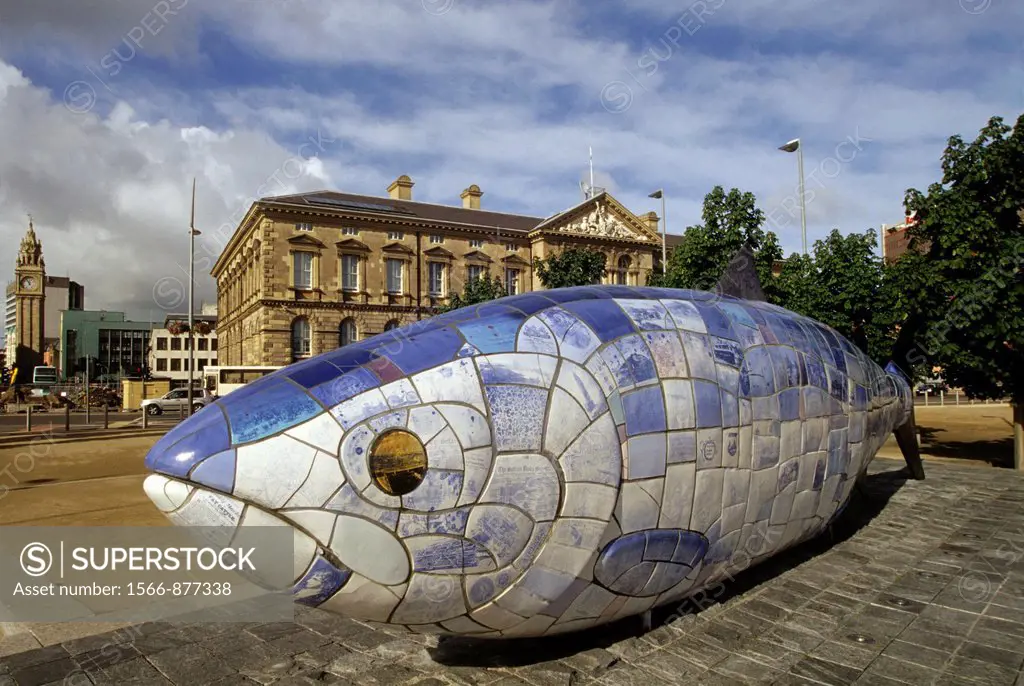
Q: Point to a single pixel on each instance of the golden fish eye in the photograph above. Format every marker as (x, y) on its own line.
(398, 462)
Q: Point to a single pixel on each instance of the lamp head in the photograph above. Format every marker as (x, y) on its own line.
(790, 146)
(656, 194)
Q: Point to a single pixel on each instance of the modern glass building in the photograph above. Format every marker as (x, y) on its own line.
(117, 347)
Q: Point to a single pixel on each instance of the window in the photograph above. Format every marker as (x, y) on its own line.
(177, 395)
(394, 276)
(347, 332)
(304, 270)
(475, 272)
(510, 247)
(512, 281)
(437, 238)
(349, 231)
(300, 338)
(176, 364)
(476, 243)
(201, 364)
(349, 273)
(184, 365)
(395, 235)
(161, 364)
(622, 277)
(304, 226)
(175, 343)
(436, 279)
(201, 343)
(161, 343)
(393, 324)
(213, 344)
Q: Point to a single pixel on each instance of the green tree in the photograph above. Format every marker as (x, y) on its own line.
(571, 267)
(963, 272)
(730, 221)
(476, 291)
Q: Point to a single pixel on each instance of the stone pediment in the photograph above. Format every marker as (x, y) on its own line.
(303, 239)
(477, 256)
(352, 245)
(599, 217)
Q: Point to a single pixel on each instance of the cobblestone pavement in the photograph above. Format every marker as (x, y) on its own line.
(919, 583)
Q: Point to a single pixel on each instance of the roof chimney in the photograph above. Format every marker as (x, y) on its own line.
(471, 197)
(401, 188)
(652, 221)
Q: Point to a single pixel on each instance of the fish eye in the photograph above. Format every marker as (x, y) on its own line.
(398, 462)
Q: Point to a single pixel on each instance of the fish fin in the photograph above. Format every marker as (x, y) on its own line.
(740, 278)
(906, 433)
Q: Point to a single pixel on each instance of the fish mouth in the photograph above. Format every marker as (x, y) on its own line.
(221, 520)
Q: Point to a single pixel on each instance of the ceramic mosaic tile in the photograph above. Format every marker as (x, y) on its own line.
(587, 453)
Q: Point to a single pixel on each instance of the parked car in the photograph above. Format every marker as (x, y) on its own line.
(177, 398)
(931, 387)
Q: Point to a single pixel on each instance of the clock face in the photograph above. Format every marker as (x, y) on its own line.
(28, 283)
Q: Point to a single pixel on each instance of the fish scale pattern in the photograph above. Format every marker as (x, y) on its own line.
(591, 452)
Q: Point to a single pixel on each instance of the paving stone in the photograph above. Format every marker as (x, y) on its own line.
(901, 670)
(135, 670)
(190, 664)
(979, 672)
(847, 653)
(553, 673)
(926, 656)
(825, 672)
(35, 657)
(994, 656)
(746, 670)
(45, 672)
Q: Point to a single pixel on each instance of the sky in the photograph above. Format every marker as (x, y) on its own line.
(109, 109)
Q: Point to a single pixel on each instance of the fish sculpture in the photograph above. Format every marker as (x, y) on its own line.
(545, 462)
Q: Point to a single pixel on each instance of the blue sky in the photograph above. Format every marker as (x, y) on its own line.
(108, 108)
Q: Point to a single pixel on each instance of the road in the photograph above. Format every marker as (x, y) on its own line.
(42, 420)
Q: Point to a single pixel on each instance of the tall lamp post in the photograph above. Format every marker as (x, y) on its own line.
(795, 146)
(660, 193)
(192, 233)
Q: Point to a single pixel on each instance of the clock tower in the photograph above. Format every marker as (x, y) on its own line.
(30, 280)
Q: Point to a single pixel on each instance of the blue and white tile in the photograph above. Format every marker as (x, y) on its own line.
(469, 425)
(584, 499)
(730, 409)
(526, 481)
(391, 420)
(516, 412)
(535, 337)
(805, 504)
(667, 351)
(638, 508)
(616, 409)
(464, 625)
(355, 451)
(450, 522)
(766, 446)
(370, 550)
(503, 531)
(324, 480)
(318, 523)
(644, 411)
(400, 393)
(647, 315)
(621, 371)
(454, 382)
(646, 456)
(764, 485)
(439, 490)
(375, 495)
(585, 534)
(808, 465)
(566, 420)
(680, 409)
(790, 439)
(582, 385)
(436, 554)
(362, 599)
(444, 451)
(209, 509)
(738, 314)
(430, 598)
(496, 617)
(534, 626)
(729, 378)
(710, 447)
(303, 546)
(541, 582)
(783, 505)
(477, 468)
(708, 402)
(347, 501)
(512, 368)
(590, 603)
(677, 507)
(558, 320)
(765, 408)
(595, 456)
(685, 315)
(707, 500)
(286, 458)
(541, 534)
(682, 446)
(730, 447)
(746, 447)
(736, 489)
(323, 431)
(564, 561)
(426, 422)
(579, 343)
(601, 373)
(362, 406)
(699, 356)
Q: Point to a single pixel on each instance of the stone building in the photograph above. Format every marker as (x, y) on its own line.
(304, 274)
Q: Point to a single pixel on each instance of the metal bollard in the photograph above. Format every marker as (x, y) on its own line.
(958, 397)
(67, 418)
(926, 398)
(181, 411)
(106, 416)
(942, 398)
(28, 418)
(145, 419)
(88, 413)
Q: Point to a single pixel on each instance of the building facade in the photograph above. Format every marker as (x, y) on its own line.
(896, 239)
(115, 347)
(168, 352)
(304, 274)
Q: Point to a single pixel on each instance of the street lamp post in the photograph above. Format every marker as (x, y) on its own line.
(795, 146)
(660, 193)
(192, 233)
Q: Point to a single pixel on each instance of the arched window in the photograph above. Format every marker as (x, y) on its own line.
(622, 275)
(347, 332)
(301, 339)
(393, 324)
